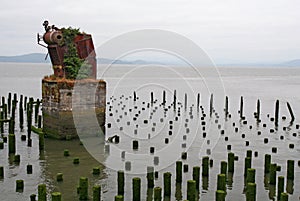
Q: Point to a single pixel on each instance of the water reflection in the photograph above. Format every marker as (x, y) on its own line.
(178, 191)
(290, 186)
(149, 194)
(272, 192)
(56, 162)
(205, 183)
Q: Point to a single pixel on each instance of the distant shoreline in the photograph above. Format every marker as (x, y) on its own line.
(40, 58)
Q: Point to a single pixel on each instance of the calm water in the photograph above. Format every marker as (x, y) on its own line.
(266, 84)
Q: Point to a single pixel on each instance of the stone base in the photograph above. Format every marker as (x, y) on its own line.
(58, 97)
(60, 125)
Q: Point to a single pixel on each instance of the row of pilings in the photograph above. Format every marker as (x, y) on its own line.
(200, 173)
(225, 176)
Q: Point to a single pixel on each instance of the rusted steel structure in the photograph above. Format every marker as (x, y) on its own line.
(59, 98)
(54, 38)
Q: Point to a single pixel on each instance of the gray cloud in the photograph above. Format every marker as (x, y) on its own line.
(231, 30)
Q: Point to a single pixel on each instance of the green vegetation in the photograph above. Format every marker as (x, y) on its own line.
(75, 67)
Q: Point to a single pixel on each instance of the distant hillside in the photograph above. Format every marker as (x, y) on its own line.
(111, 61)
(40, 58)
(292, 63)
(26, 58)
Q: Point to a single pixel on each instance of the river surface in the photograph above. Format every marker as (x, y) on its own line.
(171, 132)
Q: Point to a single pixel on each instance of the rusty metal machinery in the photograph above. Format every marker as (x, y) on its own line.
(57, 49)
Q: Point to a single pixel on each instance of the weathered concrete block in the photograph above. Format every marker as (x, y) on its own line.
(63, 98)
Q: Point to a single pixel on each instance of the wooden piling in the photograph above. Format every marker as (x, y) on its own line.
(220, 195)
(280, 187)
(276, 112)
(191, 190)
(96, 170)
(247, 165)
(13, 111)
(11, 144)
(136, 189)
(185, 101)
(250, 175)
(156, 174)
(157, 194)
(33, 197)
(267, 163)
(231, 162)
(224, 168)
(258, 110)
(290, 186)
(167, 184)
(121, 182)
(284, 197)
(17, 158)
(226, 107)
(249, 153)
(59, 177)
(1, 172)
(290, 111)
(198, 101)
(29, 119)
(196, 176)
(205, 166)
(221, 182)
(151, 98)
(2, 99)
(174, 100)
(150, 177)
(251, 192)
(184, 155)
(9, 102)
(241, 107)
(66, 152)
(40, 121)
(211, 102)
(134, 96)
(76, 160)
(56, 196)
(41, 141)
(83, 188)
(1, 122)
(272, 179)
(135, 144)
(185, 167)
(42, 192)
(290, 169)
(127, 165)
(19, 185)
(21, 101)
(21, 117)
(205, 183)
(5, 111)
(29, 169)
(11, 126)
(178, 171)
(97, 193)
(25, 103)
(119, 198)
(36, 110)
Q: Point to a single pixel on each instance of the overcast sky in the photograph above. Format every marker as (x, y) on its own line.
(229, 31)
